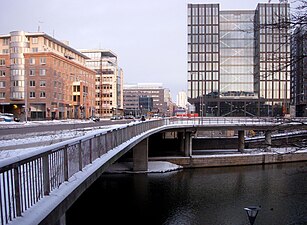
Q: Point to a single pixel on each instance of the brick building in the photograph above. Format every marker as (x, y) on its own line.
(44, 78)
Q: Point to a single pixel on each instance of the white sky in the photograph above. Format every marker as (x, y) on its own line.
(149, 36)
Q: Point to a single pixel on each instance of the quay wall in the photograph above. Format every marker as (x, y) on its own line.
(234, 160)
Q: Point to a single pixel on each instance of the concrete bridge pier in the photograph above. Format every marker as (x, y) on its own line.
(140, 156)
(185, 143)
(188, 144)
(268, 140)
(241, 140)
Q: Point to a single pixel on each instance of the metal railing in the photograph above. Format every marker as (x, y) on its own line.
(235, 120)
(25, 180)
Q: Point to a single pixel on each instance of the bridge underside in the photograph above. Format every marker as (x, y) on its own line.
(186, 143)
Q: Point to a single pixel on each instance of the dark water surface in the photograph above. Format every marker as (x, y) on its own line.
(203, 196)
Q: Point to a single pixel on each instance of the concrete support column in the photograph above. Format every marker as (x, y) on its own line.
(268, 140)
(181, 142)
(241, 140)
(188, 144)
(140, 156)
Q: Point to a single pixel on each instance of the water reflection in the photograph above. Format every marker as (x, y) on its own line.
(203, 196)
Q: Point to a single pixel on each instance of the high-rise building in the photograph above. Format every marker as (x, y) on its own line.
(299, 71)
(182, 99)
(237, 60)
(43, 78)
(109, 82)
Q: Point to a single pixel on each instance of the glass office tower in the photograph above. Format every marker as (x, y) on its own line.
(229, 69)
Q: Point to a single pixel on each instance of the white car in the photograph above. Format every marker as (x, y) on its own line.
(7, 117)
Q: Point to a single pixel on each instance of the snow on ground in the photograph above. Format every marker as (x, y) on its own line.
(12, 145)
(153, 167)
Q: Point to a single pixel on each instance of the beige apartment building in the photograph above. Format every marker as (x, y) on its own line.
(108, 82)
(44, 78)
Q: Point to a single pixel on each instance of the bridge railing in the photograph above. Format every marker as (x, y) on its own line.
(236, 120)
(222, 120)
(26, 179)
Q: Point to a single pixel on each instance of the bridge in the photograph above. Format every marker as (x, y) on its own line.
(39, 187)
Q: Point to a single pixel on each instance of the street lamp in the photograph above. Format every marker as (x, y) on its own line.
(252, 212)
(201, 105)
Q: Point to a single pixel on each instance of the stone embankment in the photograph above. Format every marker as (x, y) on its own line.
(240, 159)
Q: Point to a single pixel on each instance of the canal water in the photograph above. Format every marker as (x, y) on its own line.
(202, 196)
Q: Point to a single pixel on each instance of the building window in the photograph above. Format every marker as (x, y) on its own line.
(34, 40)
(2, 62)
(34, 49)
(42, 94)
(2, 94)
(32, 83)
(5, 51)
(2, 84)
(32, 61)
(2, 73)
(42, 72)
(32, 72)
(32, 94)
(18, 83)
(42, 83)
(18, 95)
(6, 41)
(43, 60)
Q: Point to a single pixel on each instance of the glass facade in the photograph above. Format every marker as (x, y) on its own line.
(237, 44)
(299, 71)
(273, 54)
(238, 55)
(203, 49)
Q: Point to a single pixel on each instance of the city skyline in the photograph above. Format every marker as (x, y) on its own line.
(149, 37)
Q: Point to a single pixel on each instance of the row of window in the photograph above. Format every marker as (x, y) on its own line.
(104, 79)
(42, 83)
(104, 95)
(42, 61)
(103, 103)
(32, 94)
(104, 111)
(198, 29)
(203, 9)
(204, 76)
(203, 66)
(202, 57)
(203, 38)
(103, 86)
(18, 83)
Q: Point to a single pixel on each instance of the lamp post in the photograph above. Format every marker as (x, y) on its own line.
(26, 96)
(201, 105)
(252, 212)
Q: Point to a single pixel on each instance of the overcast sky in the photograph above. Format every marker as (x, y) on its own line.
(148, 36)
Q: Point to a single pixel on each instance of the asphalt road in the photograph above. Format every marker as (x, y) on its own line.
(55, 127)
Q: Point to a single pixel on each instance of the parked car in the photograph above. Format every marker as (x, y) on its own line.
(95, 118)
(116, 118)
(129, 117)
(7, 117)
